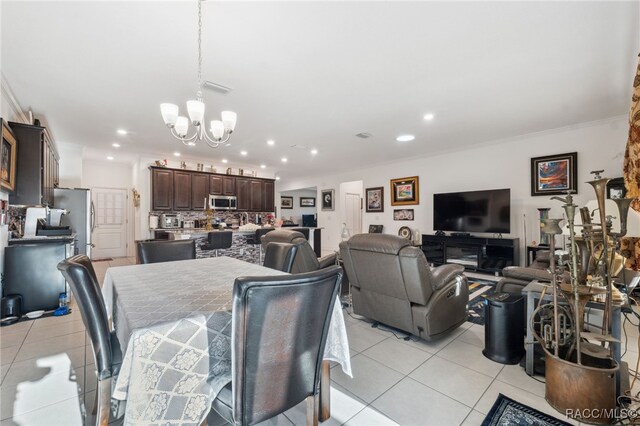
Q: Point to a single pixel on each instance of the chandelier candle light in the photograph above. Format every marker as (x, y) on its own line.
(220, 129)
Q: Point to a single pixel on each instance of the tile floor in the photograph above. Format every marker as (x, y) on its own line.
(47, 376)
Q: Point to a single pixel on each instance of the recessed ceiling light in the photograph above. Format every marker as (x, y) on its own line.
(122, 132)
(428, 117)
(277, 177)
(243, 152)
(262, 166)
(271, 142)
(405, 138)
(115, 145)
(191, 143)
(177, 154)
(109, 158)
(284, 159)
(224, 160)
(314, 151)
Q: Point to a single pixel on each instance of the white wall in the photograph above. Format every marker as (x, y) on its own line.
(501, 164)
(296, 212)
(71, 167)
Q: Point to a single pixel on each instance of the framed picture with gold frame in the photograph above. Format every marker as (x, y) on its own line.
(8, 153)
(405, 191)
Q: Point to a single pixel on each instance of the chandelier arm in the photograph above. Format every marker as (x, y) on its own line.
(185, 139)
(213, 143)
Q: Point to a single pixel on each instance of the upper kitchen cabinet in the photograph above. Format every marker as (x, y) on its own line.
(243, 193)
(199, 190)
(268, 197)
(181, 190)
(257, 197)
(222, 185)
(161, 189)
(37, 166)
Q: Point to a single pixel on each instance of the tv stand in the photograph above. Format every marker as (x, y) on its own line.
(478, 254)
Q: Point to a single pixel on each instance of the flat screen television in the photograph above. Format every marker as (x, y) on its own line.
(473, 211)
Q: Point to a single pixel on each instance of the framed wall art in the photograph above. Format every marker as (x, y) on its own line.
(286, 202)
(554, 174)
(405, 191)
(307, 201)
(8, 153)
(403, 214)
(327, 199)
(375, 199)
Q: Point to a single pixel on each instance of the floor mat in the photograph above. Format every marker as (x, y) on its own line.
(506, 411)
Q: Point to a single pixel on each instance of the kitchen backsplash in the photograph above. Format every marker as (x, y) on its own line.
(16, 220)
(223, 216)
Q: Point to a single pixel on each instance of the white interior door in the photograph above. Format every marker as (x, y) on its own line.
(353, 212)
(109, 222)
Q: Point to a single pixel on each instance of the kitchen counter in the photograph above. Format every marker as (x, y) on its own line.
(42, 239)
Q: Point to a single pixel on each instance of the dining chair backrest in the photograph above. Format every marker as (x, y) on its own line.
(218, 240)
(280, 256)
(279, 332)
(166, 251)
(77, 270)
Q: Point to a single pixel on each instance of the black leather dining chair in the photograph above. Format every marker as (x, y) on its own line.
(166, 251)
(79, 273)
(218, 240)
(274, 368)
(256, 239)
(280, 256)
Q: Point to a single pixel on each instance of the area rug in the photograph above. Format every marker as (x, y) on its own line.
(478, 290)
(507, 412)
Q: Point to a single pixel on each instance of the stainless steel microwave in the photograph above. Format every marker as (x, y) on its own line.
(223, 202)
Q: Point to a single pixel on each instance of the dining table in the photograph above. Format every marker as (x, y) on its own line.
(173, 323)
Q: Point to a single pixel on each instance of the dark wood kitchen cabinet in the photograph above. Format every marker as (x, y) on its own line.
(243, 193)
(257, 190)
(268, 197)
(181, 190)
(161, 189)
(228, 185)
(215, 185)
(37, 166)
(199, 190)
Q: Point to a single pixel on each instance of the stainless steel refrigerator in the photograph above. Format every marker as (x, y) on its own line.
(80, 217)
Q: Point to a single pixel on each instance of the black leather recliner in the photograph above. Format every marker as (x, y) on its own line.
(166, 251)
(306, 259)
(391, 282)
(274, 367)
(280, 256)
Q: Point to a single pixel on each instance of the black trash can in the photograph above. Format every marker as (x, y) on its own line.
(504, 328)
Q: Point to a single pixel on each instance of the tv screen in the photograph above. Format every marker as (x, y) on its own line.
(473, 211)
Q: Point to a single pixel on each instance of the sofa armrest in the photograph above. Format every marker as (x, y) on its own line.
(444, 274)
(328, 260)
(528, 274)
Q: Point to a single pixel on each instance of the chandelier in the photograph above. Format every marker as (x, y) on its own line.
(179, 125)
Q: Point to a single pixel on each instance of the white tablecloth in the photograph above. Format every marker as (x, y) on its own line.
(173, 323)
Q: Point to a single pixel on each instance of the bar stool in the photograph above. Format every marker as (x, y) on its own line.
(257, 239)
(217, 240)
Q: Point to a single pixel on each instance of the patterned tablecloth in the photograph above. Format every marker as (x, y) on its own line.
(173, 322)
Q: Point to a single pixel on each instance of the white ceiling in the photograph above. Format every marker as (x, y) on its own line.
(316, 73)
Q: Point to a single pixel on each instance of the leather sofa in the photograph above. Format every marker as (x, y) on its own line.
(391, 283)
(515, 278)
(306, 259)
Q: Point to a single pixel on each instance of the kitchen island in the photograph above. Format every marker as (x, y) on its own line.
(241, 248)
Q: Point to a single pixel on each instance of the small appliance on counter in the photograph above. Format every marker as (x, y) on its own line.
(43, 222)
(81, 216)
(169, 221)
(154, 221)
(188, 224)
